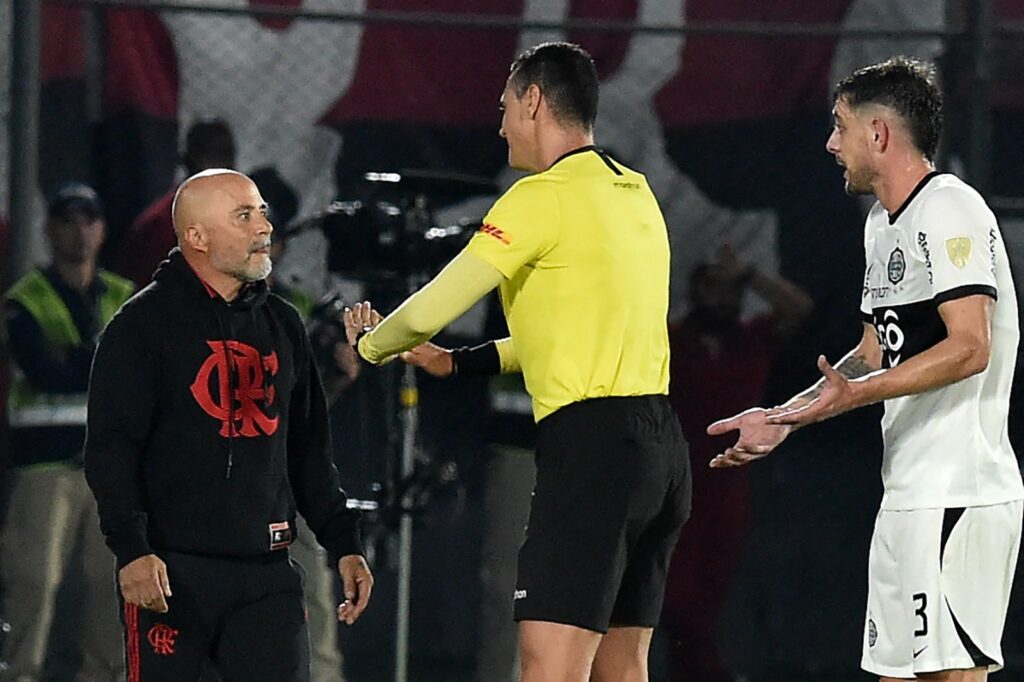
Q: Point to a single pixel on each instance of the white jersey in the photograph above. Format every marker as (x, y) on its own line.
(948, 447)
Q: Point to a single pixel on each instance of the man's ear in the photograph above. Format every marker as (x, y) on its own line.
(532, 99)
(880, 134)
(197, 237)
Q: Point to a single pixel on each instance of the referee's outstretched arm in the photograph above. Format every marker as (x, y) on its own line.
(452, 292)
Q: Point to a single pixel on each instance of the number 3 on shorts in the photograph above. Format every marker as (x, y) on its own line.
(922, 599)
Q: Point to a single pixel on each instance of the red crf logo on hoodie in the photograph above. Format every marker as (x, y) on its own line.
(231, 386)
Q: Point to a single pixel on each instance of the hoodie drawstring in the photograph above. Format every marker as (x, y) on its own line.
(231, 390)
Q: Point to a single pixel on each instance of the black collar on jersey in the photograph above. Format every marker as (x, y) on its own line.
(590, 148)
(917, 190)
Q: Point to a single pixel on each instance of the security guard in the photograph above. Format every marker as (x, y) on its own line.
(53, 318)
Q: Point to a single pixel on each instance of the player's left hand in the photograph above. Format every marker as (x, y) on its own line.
(757, 438)
(357, 581)
(359, 318)
(838, 395)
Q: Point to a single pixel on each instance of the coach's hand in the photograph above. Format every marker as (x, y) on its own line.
(431, 358)
(144, 583)
(359, 318)
(357, 581)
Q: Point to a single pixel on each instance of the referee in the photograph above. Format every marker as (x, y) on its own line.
(580, 253)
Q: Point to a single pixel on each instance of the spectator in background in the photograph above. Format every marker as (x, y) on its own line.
(208, 144)
(53, 317)
(720, 364)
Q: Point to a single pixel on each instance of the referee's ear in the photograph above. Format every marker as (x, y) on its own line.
(532, 99)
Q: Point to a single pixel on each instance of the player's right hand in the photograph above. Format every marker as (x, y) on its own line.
(757, 437)
(144, 583)
(431, 358)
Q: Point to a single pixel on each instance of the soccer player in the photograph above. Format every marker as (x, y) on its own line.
(939, 347)
(580, 253)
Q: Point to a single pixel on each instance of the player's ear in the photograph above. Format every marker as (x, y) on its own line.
(880, 133)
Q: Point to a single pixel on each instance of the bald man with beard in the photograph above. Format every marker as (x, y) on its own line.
(207, 433)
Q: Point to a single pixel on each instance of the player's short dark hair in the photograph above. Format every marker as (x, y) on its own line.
(566, 76)
(905, 85)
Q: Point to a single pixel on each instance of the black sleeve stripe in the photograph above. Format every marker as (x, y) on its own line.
(867, 317)
(965, 291)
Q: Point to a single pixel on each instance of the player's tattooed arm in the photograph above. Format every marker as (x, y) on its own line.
(864, 359)
(853, 366)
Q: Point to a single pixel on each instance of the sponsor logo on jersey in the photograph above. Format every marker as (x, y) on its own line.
(992, 238)
(890, 337)
(519, 594)
(922, 241)
(872, 632)
(897, 266)
(959, 251)
(878, 293)
(495, 232)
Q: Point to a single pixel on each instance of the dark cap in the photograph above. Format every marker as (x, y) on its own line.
(75, 198)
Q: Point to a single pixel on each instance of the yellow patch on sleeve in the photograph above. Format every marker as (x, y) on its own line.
(959, 251)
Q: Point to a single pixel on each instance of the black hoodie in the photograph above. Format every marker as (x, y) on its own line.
(207, 425)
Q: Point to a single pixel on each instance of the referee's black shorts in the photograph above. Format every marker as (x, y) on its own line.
(612, 493)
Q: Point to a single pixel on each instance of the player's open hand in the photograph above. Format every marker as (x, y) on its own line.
(757, 437)
(838, 395)
(144, 583)
(358, 319)
(431, 358)
(357, 582)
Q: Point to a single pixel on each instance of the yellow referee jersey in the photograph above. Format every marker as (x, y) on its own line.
(584, 248)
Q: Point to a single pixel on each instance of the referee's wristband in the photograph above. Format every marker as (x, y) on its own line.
(482, 360)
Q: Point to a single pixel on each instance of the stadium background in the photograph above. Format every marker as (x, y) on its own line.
(728, 119)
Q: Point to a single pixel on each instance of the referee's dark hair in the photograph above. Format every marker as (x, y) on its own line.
(566, 76)
(905, 85)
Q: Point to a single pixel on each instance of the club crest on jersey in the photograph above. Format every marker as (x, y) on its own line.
(897, 266)
(959, 251)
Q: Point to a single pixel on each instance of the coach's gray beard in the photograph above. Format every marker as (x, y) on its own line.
(255, 273)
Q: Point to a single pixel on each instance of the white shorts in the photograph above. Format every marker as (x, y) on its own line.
(938, 588)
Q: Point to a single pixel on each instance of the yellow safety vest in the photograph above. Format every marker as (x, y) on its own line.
(28, 406)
